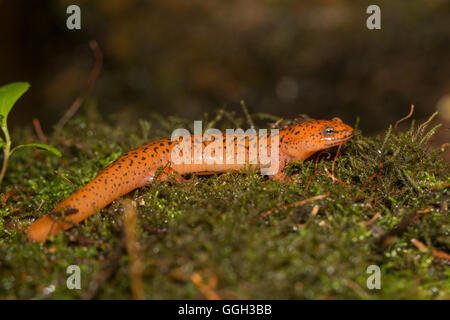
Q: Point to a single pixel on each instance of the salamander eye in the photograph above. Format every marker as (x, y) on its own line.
(328, 131)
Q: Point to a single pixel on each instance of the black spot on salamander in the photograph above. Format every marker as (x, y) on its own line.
(131, 163)
(169, 143)
(155, 149)
(143, 158)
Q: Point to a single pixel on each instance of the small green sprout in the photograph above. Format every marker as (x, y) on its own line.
(9, 94)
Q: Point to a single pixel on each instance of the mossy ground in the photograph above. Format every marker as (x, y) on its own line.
(212, 226)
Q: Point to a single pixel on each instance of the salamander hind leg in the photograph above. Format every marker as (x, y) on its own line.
(166, 173)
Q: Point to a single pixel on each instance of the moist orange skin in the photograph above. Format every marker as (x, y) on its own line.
(139, 167)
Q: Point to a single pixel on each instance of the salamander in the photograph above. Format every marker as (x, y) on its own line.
(154, 160)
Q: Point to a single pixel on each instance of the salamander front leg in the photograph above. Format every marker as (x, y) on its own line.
(279, 175)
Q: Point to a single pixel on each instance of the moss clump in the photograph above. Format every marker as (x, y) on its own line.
(213, 225)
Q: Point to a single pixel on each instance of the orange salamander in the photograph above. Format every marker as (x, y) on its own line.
(153, 160)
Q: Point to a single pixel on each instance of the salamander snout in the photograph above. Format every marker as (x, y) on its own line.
(306, 138)
(334, 132)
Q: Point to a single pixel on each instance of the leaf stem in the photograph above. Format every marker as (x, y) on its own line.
(6, 150)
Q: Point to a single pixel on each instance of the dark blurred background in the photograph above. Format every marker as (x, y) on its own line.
(179, 57)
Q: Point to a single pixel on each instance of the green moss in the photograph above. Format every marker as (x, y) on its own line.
(213, 225)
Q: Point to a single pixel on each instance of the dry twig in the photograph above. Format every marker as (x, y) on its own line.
(404, 118)
(38, 129)
(132, 245)
(92, 78)
(295, 204)
(435, 253)
(207, 289)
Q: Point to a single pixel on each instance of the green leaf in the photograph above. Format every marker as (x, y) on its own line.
(9, 94)
(40, 146)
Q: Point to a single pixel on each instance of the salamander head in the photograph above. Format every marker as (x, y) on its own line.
(303, 140)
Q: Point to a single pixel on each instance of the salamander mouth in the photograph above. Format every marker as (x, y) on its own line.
(340, 141)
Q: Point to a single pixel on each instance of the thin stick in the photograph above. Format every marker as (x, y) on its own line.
(59, 174)
(40, 205)
(333, 178)
(335, 157)
(332, 168)
(132, 245)
(315, 210)
(357, 288)
(439, 186)
(38, 129)
(247, 115)
(98, 64)
(315, 167)
(371, 221)
(92, 78)
(404, 118)
(370, 178)
(295, 204)
(206, 289)
(435, 253)
(420, 213)
(406, 221)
